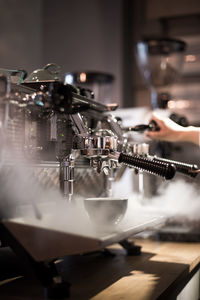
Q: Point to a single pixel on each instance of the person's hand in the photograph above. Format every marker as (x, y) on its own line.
(172, 132)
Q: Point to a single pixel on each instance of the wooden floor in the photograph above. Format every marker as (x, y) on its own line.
(160, 272)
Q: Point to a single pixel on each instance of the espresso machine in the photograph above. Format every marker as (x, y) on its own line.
(55, 138)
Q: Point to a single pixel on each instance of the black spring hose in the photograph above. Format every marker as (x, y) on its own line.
(180, 166)
(162, 169)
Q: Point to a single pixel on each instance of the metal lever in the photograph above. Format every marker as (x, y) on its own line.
(187, 169)
(159, 168)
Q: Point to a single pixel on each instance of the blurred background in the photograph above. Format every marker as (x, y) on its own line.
(100, 36)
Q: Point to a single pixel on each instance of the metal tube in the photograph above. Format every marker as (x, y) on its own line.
(67, 178)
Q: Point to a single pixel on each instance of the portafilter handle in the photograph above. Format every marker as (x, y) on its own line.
(184, 168)
(159, 168)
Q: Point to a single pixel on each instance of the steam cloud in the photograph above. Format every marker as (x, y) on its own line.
(180, 198)
(23, 196)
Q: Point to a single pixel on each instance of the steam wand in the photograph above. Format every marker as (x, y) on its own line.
(67, 178)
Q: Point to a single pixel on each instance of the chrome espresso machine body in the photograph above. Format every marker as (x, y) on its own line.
(54, 125)
(67, 140)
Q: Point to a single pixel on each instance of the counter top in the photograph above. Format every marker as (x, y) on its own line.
(160, 272)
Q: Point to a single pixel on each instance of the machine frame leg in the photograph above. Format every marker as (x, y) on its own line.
(130, 247)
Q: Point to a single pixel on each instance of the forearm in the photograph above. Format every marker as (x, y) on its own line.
(189, 134)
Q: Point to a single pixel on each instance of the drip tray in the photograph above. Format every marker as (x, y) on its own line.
(49, 238)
